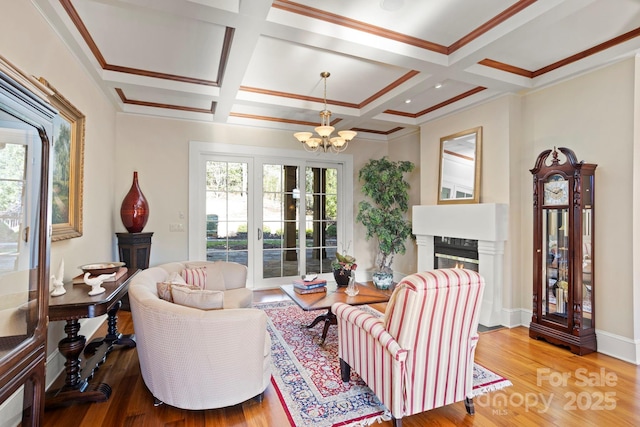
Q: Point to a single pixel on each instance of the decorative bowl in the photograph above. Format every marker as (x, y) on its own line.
(99, 268)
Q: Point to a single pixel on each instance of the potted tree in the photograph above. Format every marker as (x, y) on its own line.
(384, 213)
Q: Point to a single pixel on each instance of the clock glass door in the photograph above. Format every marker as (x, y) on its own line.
(556, 275)
(587, 279)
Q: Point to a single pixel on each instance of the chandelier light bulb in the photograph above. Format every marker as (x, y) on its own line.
(337, 141)
(347, 135)
(314, 142)
(324, 131)
(303, 136)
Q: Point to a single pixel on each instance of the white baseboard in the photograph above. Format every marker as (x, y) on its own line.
(622, 348)
(514, 317)
(11, 410)
(54, 367)
(613, 345)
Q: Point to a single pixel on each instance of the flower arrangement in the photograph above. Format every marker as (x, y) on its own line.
(344, 262)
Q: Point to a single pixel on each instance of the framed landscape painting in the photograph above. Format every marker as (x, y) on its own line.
(67, 168)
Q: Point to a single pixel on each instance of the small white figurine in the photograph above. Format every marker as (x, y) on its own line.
(57, 285)
(96, 282)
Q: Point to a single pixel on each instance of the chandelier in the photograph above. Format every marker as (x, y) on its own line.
(336, 144)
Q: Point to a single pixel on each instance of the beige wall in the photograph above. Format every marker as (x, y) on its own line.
(592, 114)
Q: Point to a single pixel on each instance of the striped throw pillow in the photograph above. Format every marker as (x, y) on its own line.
(195, 276)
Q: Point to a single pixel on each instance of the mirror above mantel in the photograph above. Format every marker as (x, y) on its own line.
(460, 167)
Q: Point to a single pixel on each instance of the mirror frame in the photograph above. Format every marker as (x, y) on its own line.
(477, 173)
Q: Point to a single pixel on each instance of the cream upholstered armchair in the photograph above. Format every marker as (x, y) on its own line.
(420, 355)
(200, 359)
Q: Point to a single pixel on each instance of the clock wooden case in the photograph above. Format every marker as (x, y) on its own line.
(563, 248)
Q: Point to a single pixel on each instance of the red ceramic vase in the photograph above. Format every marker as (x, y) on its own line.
(134, 211)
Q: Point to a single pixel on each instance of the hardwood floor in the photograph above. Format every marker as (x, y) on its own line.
(551, 386)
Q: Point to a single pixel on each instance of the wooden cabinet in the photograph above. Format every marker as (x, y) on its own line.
(25, 131)
(563, 248)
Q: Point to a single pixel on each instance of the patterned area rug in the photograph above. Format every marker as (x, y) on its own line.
(307, 379)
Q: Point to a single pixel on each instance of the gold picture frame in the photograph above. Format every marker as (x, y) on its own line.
(67, 167)
(460, 167)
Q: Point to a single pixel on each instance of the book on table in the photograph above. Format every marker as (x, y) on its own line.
(309, 286)
(310, 290)
(304, 287)
(309, 283)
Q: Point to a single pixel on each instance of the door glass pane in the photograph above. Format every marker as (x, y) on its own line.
(20, 166)
(227, 208)
(321, 185)
(555, 297)
(280, 221)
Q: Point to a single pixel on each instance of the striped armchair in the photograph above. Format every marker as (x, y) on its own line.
(420, 355)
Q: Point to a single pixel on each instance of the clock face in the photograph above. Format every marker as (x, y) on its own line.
(556, 191)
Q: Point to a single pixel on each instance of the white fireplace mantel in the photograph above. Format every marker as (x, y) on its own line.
(485, 222)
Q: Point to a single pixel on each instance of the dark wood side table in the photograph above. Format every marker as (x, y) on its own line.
(76, 304)
(135, 251)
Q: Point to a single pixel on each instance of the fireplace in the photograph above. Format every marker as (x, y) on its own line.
(484, 223)
(450, 252)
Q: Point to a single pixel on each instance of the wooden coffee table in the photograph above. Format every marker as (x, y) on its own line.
(368, 294)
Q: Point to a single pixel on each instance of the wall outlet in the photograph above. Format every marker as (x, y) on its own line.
(176, 227)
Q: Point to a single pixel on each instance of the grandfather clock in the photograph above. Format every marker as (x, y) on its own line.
(563, 248)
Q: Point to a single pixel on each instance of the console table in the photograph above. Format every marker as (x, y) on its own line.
(76, 304)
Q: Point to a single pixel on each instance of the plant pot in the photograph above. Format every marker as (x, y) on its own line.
(383, 279)
(341, 276)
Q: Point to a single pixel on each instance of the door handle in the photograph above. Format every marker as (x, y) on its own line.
(259, 234)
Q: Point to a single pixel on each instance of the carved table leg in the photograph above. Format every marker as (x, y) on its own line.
(76, 388)
(113, 337)
(71, 347)
(329, 319)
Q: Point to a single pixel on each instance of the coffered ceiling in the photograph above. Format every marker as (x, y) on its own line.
(258, 62)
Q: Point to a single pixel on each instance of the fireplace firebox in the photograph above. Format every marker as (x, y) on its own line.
(451, 252)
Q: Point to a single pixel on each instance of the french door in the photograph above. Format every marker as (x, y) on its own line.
(297, 219)
(280, 216)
